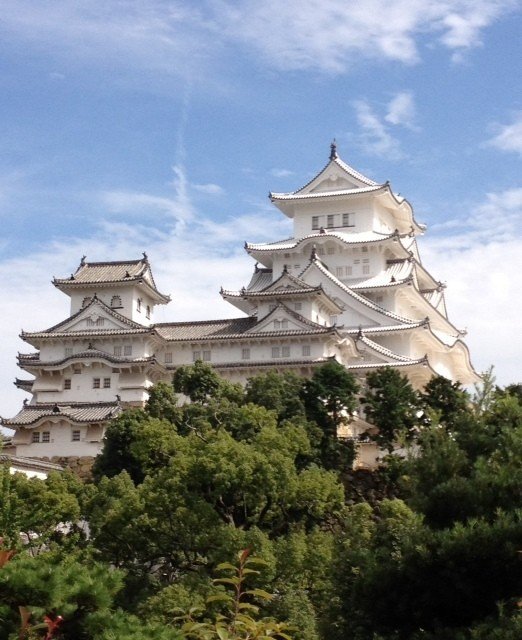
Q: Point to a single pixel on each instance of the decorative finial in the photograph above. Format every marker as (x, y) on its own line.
(82, 261)
(321, 230)
(313, 255)
(145, 256)
(90, 346)
(56, 409)
(285, 268)
(127, 274)
(333, 150)
(256, 267)
(118, 398)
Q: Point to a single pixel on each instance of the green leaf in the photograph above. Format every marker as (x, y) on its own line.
(226, 565)
(260, 593)
(233, 581)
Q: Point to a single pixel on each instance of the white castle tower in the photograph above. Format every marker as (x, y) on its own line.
(349, 284)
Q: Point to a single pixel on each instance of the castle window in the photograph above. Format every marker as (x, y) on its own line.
(116, 302)
(77, 369)
(315, 222)
(285, 352)
(168, 357)
(277, 324)
(207, 356)
(96, 383)
(138, 305)
(36, 436)
(276, 352)
(320, 251)
(127, 350)
(348, 219)
(306, 350)
(46, 436)
(68, 352)
(284, 324)
(76, 435)
(245, 353)
(99, 322)
(330, 221)
(147, 312)
(106, 383)
(67, 383)
(348, 271)
(196, 355)
(330, 251)
(339, 271)
(117, 350)
(86, 301)
(366, 269)
(298, 306)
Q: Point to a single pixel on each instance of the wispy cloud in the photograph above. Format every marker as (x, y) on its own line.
(186, 39)
(209, 189)
(509, 136)
(376, 137)
(281, 173)
(402, 110)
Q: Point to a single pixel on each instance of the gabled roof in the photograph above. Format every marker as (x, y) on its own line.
(75, 412)
(60, 330)
(315, 263)
(91, 274)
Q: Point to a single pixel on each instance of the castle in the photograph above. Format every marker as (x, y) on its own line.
(349, 284)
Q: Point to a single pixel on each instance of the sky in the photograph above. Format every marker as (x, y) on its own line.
(161, 125)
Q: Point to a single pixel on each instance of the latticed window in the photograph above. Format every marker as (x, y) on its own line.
(306, 350)
(207, 356)
(36, 436)
(245, 353)
(46, 436)
(348, 219)
(68, 351)
(315, 222)
(96, 383)
(67, 383)
(285, 352)
(76, 435)
(117, 350)
(168, 357)
(127, 350)
(276, 353)
(330, 221)
(106, 383)
(116, 302)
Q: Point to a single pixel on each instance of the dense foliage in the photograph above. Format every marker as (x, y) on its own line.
(181, 487)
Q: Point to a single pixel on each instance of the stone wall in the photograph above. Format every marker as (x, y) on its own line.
(79, 465)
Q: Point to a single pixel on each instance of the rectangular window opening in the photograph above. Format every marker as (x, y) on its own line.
(67, 383)
(46, 436)
(76, 435)
(96, 383)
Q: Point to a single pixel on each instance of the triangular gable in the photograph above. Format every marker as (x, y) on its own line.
(284, 319)
(336, 176)
(87, 319)
(284, 282)
(364, 311)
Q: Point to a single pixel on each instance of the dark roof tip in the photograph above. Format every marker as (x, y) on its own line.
(333, 150)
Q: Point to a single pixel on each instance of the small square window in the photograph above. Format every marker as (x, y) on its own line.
(117, 351)
(106, 383)
(168, 357)
(127, 350)
(207, 356)
(285, 352)
(46, 436)
(36, 436)
(276, 352)
(306, 350)
(245, 353)
(96, 383)
(67, 383)
(76, 435)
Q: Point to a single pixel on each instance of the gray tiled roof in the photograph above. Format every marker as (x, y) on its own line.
(78, 412)
(92, 273)
(228, 329)
(325, 194)
(30, 463)
(89, 354)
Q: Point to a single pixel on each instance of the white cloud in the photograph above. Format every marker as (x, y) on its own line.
(481, 260)
(180, 38)
(509, 136)
(281, 173)
(401, 110)
(375, 137)
(209, 189)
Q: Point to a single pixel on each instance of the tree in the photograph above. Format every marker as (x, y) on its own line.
(393, 406)
(330, 399)
(448, 399)
(279, 392)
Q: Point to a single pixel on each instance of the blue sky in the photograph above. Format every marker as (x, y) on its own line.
(160, 126)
